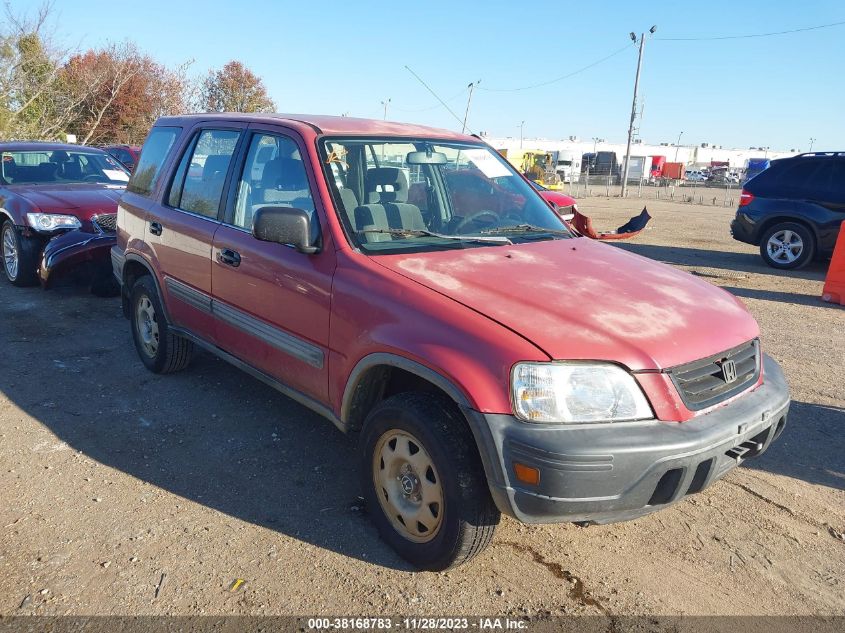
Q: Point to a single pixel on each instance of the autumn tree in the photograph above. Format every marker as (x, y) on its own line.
(121, 93)
(234, 88)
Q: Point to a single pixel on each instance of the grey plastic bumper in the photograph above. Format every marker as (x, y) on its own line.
(614, 472)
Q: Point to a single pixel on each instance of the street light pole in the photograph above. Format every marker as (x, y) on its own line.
(633, 110)
(521, 125)
(678, 145)
(384, 103)
(812, 140)
(469, 99)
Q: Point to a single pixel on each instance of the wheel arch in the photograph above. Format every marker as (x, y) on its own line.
(135, 267)
(382, 374)
(783, 219)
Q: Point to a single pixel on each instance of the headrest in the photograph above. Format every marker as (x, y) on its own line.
(216, 164)
(284, 174)
(384, 177)
(59, 156)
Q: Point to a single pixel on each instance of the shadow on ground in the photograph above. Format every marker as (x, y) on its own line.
(812, 447)
(210, 434)
(737, 262)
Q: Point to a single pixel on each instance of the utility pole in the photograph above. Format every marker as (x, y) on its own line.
(678, 145)
(633, 110)
(812, 140)
(521, 125)
(469, 99)
(384, 103)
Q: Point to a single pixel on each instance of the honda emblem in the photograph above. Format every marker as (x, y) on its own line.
(728, 371)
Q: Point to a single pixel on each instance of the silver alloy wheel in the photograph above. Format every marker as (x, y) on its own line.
(785, 246)
(147, 326)
(408, 486)
(10, 252)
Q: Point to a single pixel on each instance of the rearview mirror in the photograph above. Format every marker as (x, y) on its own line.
(284, 225)
(426, 158)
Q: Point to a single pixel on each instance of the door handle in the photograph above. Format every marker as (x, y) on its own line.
(229, 257)
(155, 228)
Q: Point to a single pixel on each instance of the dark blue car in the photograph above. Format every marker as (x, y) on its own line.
(793, 209)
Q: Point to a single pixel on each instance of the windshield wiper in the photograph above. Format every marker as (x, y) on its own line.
(524, 228)
(424, 233)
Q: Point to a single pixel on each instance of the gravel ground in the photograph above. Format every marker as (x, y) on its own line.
(122, 492)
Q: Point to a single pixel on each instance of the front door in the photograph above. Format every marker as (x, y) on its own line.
(271, 302)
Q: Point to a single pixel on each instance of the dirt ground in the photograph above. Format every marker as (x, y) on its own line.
(122, 492)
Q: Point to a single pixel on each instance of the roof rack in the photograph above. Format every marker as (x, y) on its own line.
(818, 154)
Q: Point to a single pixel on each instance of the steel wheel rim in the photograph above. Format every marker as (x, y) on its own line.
(408, 486)
(147, 326)
(785, 246)
(10, 253)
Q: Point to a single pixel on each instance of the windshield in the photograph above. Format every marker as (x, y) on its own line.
(416, 195)
(61, 166)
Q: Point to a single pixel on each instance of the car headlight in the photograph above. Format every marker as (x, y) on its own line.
(576, 392)
(52, 221)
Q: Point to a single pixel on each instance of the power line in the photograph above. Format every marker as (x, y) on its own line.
(561, 78)
(740, 37)
(443, 103)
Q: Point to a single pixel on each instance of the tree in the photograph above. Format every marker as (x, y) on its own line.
(234, 88)
(31, 104)
(121, 93)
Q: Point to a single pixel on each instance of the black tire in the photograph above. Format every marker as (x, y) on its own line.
(27, 252)
(783, 260)
(469, 516)
(171, 352)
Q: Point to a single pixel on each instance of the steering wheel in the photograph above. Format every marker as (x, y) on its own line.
(475, 217)
(92, 178)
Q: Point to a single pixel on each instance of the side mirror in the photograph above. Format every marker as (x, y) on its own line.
(284, 225)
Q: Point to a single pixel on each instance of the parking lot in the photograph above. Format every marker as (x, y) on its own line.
(124, 492)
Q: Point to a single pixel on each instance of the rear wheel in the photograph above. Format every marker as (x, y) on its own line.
(787, 245)
(161, 350)
(20, 256)
(424, 483)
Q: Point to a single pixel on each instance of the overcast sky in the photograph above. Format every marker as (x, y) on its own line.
(335, 57)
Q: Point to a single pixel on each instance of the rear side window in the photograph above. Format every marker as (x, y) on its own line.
(153, 155)
(199, 180)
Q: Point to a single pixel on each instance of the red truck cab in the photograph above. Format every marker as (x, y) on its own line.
(489, 359)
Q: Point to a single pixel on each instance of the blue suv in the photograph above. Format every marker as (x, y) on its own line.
(793, 209)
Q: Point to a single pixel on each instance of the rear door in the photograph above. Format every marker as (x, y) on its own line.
(272, 302)
(181, 228)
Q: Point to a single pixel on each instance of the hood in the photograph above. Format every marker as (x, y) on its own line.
(582, 300)
(82, 200)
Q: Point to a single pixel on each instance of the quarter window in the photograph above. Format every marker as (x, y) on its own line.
(199, 180)
(273, 176)
(153, 155)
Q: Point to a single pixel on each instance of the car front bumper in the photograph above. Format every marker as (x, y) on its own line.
(602, 473)
(72, 249)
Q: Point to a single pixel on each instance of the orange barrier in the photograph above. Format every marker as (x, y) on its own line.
(834, 285)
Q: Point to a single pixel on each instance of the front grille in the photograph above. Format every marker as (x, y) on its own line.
(703, 383)
(106, 222)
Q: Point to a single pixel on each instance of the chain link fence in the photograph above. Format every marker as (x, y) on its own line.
(709, 193)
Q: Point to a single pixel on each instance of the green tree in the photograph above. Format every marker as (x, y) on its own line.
(234, 88)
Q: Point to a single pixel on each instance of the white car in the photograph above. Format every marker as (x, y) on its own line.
(694, 175)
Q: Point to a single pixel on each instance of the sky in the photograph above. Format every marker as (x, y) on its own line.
(347, 57)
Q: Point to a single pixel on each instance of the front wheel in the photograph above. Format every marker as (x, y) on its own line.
(787, 245)
(424, 483)
(20, 256)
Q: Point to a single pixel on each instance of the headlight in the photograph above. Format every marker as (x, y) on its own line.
(576, 392)
(52, 221)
